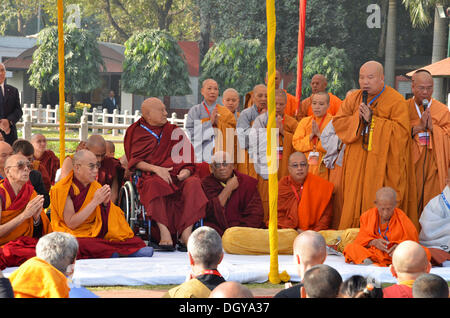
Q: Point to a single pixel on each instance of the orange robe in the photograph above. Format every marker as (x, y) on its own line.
(398, 229)
(306, 109)
(302, 143)
(437, 159)
(38, 279)
(291, 103)
(307, 206)
(388, 164)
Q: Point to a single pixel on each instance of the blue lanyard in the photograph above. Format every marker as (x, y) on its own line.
(376, 97)
(445, 200)
(384, 236)
(158, 138)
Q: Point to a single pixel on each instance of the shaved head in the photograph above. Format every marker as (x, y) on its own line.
(231, 289)
(422, 86)
(371, 77)
(410, 258)
(82, 156)
(209, 81)
(386, 194)
(154, 111)
(210, 91)
(277, 78)
(230, 99)
(97, 145)
(311, 247)
(318, 83)
(260, 96)
(298, 166)
(430, 286)
(386, 202)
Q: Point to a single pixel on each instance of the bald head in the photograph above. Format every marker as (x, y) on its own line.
(410, 258)
(17, 169)
(310, 246)
(210, 91)
(230, 99)
(430, 286)
(82, 156)
(318, 83)
(386, 194)
(298, 166)
(422, 86)
(386, 202)
(154, 111)
(231, 290)
(277, 78)
(371, 77)
(260, 96)
(5, 151)
(110, 148)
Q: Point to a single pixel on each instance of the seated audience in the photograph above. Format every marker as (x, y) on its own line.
(233, 197)
(430, 286)
(205, 253)
(231, 290)
(321, 281)
(358, 287)
(82, 207)
(45, 276)
(408, 262)
(382, 228)
(22, 217)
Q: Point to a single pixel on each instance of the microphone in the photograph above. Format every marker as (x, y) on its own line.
(364, 97)
(425, 104)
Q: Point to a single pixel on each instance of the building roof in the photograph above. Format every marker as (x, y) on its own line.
(437, 69)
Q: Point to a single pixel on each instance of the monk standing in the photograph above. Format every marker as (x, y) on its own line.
(382, 229)
(307, 135)
(230, 100)
(209, 126)
(172, 196)
(430, 130)
(45, 156)
(377, 137)
(319, 83)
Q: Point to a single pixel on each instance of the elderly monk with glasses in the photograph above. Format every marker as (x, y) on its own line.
(22, 217)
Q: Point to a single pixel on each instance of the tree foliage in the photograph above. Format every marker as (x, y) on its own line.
(237, 63)
(154, 65)
(82, 61)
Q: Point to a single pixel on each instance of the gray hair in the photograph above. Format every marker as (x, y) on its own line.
(205, 247)
(58, 249)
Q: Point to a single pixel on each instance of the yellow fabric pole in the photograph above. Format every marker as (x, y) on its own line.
(62, 79)
(274, 276)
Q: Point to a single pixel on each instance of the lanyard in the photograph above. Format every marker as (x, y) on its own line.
(206, 108)
(418, 109)
(158, 138)
(295, 191)
(384, 236)
(376, 97)
(445, 200)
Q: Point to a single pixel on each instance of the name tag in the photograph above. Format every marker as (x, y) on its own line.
(313, 158)
(424, 138)
(280, 152)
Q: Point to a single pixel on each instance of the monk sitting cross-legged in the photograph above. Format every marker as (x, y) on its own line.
(82, 207)
(382, 229)
(170, 192)
(22, 217)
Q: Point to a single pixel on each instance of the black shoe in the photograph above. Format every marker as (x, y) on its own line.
(181, 247)
(162, 248)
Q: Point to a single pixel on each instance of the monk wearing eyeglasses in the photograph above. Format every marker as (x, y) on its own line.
(22, 217)
(82, 207)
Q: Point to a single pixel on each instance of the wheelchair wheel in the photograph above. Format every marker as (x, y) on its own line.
(127, 198)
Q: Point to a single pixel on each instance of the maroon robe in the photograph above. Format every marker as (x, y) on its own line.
(244, 207)
(98, 247)
(109, 169)
(177, 205)
(51, 163)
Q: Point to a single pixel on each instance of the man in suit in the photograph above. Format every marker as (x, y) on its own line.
(10, 108)
(110, 102)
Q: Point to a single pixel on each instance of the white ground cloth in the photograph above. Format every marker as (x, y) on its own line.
(173, 267)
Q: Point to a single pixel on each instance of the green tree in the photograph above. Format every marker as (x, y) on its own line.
(237, 63)
(154, 65)
(332, 62)
(82, 61)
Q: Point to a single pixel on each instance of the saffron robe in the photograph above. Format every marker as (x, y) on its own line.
(399, 228)
(19, 245)
(51, 163)
(388, 164)
(104, 232)
(177, 205)
(307, 206)
(243, 208)
(302, 143)
(400, 290)
(197, 287)
(437, 159)
(306, 109)
(38, 279)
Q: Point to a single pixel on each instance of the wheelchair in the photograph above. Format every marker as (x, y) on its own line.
(134, 210)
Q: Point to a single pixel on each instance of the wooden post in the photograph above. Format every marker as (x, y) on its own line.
(84, 128)
(27, 130)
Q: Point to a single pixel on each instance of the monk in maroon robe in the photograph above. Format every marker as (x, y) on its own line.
(234, 199)
(170, 192)
(45, 157)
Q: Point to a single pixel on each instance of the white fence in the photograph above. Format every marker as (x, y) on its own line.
(95, 122)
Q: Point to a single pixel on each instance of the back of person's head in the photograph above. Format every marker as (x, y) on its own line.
(322, 281)
(23, 146)
(358, 287)
(205, 247)
(409, 261)
(430, 286)
(58, 249)
(231, 290)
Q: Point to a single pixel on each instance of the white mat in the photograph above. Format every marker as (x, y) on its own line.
(173, 267)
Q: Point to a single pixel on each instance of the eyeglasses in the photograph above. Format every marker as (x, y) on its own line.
(217, 165)
(93, 166)
(298, 165)
(21, 165)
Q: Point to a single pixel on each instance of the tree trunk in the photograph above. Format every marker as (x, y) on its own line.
(203, 44)
(439, 52)
(389, 64)
(382, 42)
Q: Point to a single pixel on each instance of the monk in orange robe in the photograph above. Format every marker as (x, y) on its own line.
(82, 207)
(382, 229)
(210, 127)
(44, 276)
(168, 188)
(286, 126)
(292, 103)
(377, 152)
(318, 84)
(304, 199)
(22, 217)
(230, 99)
(307, 135)
(110, 171)
(45, 157)
(430, 130)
